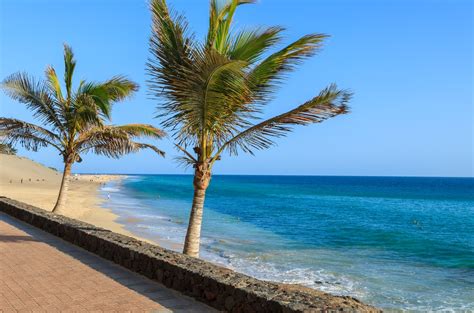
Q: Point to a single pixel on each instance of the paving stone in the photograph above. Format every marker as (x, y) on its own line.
(41, 273)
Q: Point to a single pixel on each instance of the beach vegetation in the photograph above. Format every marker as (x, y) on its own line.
(73, 118)
(211, 93)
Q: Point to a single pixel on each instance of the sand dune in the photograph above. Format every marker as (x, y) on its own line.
(30, 182)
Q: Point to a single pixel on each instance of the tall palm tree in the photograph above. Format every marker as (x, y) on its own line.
(75, 119)
(213, 92)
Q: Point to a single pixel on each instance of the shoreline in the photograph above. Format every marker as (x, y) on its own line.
(186, 275)
(125, 224)
(130, 211)
(93, 212)
(35, 184)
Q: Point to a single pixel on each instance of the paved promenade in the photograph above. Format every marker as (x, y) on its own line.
(42, 273)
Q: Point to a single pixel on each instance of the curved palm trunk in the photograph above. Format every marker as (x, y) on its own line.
(193, 235)
(62, 196)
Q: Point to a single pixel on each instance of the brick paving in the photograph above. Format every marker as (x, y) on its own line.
(42, 273)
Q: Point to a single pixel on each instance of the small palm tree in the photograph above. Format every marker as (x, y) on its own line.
(214, 91)
(76, 118)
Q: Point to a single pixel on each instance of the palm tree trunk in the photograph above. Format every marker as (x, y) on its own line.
(193, 235)
(62, 196)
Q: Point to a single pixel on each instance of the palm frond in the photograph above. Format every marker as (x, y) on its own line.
(28, 135)
(24, 89)
(249, 45)
(268, 73)
(172, 48)
(53, 84)
(170, 42)
(111, 141)
(97, 95)
(79, 116)
(69, 66)
(119, 88)
(140, 146)
(226, 102)
(188, 155)
(213, 92)
(142, 130)
(105, 94)
(85, 112)
(329, 103)
(220, 20)
(185, 161)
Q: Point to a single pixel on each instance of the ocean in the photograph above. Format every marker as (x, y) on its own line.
(393, 242)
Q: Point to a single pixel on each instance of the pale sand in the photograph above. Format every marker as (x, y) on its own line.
(41, 185)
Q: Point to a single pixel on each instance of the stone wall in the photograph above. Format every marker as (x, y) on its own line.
(216, 286)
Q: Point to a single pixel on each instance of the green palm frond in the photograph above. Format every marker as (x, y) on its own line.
(54, 85)
(220, 20)
(268, 73)
(170, 42)
(211, 93)
(249, 45)
(28, 135)
(24, 89)
(119, 88)
(329, 103)
(111, 141)
(69, 66)
(76, 118)
(172, 48)
(105, 94)
(85, 111)
(96, 95)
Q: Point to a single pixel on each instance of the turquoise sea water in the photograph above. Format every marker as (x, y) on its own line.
(397, 243)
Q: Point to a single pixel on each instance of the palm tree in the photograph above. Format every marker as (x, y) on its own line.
(213, 92)
(75, 119)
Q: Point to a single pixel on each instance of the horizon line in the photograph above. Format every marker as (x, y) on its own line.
(287, 175)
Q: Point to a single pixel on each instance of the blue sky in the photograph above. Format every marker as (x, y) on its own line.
(409, 63)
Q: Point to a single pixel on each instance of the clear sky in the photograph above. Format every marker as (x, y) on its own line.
(409, 63)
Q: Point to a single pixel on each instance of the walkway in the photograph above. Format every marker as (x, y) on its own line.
(42, 273)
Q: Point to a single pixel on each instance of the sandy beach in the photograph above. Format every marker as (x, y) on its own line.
(30, 182)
